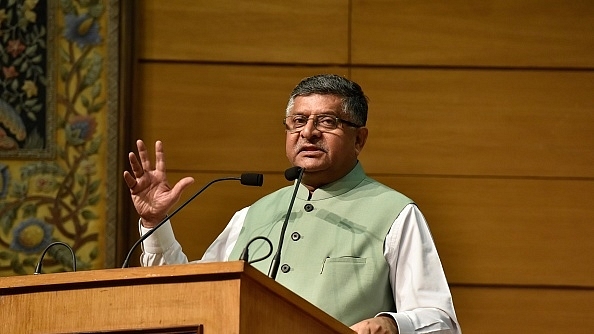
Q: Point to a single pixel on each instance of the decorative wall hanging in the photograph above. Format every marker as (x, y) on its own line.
(59, 133)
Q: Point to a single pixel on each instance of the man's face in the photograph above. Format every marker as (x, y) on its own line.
(326, 156)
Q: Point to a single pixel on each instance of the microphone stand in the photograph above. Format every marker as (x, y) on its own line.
(276, 259)
(39, 264)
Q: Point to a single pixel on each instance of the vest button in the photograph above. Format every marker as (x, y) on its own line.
(308, 207)
(295, 236)
(285, 268)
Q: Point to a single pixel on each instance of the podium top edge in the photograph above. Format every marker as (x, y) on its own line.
(125, 276)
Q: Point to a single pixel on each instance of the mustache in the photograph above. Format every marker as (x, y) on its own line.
(311, 146)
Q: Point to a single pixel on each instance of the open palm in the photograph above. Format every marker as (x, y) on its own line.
(151, 194)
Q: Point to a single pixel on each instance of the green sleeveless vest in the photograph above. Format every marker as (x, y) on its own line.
(333, 248)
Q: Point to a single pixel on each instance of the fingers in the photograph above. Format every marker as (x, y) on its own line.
(143, 155)
(141, 164)
(159, 156)
(378, 325)
(130, 180)
(144, 164)
(136, 167)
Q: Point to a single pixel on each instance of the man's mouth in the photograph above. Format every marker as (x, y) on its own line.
(311, 149)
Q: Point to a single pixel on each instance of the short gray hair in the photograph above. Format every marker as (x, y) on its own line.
(354, 101)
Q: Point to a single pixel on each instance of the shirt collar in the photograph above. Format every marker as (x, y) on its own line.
(336, 188)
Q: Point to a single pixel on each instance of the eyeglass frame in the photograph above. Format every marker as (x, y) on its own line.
(315, 119)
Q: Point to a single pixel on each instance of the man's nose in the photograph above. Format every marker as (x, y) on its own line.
(310, 128)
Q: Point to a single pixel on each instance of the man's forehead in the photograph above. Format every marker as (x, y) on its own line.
(317, 104)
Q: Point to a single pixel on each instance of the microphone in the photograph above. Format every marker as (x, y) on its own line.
(290, 174)
(38, 266)
(246, 179)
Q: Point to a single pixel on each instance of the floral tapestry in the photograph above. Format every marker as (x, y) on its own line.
(58, 121)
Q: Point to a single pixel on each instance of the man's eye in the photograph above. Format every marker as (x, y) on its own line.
(299, 121)
(326, 121)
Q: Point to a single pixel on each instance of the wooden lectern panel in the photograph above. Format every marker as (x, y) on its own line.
(225, 297)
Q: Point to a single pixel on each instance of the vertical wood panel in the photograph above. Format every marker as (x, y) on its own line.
(474, 122)
(533, 33)
(514, 310)
(508, 231)
(300, 31)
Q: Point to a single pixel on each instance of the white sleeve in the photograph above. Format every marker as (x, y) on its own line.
(221, 248)
(162, 248)
(421, 292)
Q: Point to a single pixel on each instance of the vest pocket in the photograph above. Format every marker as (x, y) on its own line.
(341, 271)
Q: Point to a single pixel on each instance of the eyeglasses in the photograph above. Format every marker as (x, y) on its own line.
(324, 123)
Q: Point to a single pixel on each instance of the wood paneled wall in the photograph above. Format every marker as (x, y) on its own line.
(480, 111)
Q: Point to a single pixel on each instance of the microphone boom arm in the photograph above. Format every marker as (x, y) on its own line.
(246, 179)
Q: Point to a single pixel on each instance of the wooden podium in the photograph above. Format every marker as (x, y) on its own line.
(210, 298)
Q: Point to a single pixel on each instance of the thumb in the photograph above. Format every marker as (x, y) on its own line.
(182, 184)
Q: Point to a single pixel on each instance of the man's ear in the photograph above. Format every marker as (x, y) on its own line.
(360, 139)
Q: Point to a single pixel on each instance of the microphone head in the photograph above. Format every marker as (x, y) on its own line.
(292, 173)
(252, 179)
